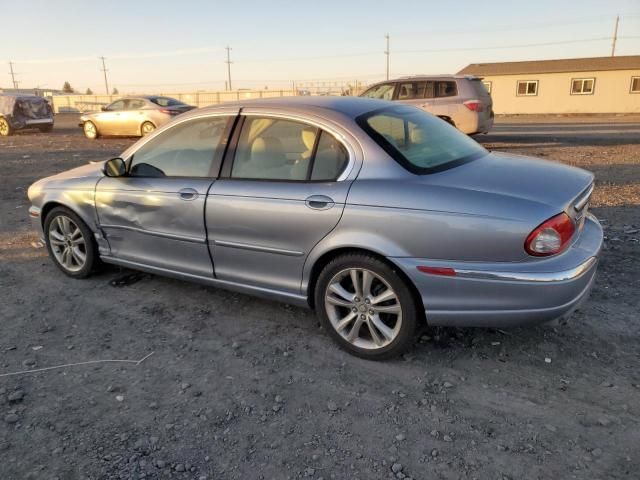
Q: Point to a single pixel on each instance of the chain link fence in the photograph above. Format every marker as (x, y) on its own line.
(91, 103)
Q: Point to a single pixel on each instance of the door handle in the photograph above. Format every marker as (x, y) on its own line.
(188, 194)
(319, 202)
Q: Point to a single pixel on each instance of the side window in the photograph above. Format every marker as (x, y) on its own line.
(136, 104)
(635, 85)
(330, 160)
(527, 88)
(582, 86)
(409, 91)
(275, 149)
(381, 92)
(430, 89)
(446, 89)
(117, 105)
(186, 150)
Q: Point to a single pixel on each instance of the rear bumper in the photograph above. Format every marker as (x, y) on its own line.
(513, 294)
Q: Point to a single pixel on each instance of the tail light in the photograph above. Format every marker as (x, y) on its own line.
(170, 112)
(551, 237)
(474, 105)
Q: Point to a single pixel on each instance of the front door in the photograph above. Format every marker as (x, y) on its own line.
(109, 121)
(154, 215)
(277, 197)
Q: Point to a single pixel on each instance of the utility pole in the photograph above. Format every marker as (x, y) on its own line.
(104, 70)
(228, 62)
(13, 75)
(615, 37)
(386, 52)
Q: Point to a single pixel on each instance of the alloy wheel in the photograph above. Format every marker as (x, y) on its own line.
(4, 127)
(68, 244)
(363, 308)
(147, 128)
(90, 130)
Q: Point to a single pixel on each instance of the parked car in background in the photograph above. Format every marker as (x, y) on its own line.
(18, 112)
(132, 116)
(378, 215)
(461, 100)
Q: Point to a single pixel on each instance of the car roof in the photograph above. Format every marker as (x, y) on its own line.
(20, 95)
(349, 106)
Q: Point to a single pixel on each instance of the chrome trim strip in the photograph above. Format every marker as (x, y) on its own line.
(257, 248)
(542, 277)
(296, 299)
(153, 233)
(584, 198)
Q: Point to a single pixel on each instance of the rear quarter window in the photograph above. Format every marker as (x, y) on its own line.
(418, 141)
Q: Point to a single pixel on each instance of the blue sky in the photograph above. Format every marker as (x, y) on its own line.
(173, 46)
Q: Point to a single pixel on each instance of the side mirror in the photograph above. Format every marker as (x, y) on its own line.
(116, 167)
(104, 109)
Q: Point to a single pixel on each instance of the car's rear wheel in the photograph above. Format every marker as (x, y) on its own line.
(366, 306)
(70, 243)
(90, 130)
(146, 128)
(5, 127)
(46, 128)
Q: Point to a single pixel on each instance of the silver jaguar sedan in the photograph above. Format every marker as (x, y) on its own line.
(379, 216)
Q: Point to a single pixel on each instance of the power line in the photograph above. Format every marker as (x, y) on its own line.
(228, 62)
(104, 70)
(499, 47)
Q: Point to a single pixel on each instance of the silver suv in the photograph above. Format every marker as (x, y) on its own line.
(461, 100)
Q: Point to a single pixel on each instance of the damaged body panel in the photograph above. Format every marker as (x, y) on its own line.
(19, 112)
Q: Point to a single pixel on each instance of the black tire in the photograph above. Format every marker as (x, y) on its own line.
(409, 312)
(46, 128)
(88, 128)
(90, 248)
(5, 128)
(448, 120)
(146, 128)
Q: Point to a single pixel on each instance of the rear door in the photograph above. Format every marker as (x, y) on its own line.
(280, 192)
(133, 117)
(154, 216)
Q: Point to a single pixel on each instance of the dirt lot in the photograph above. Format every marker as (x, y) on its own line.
(245, 388)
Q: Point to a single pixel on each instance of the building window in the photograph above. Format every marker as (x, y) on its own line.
(582, 86)
(527, 88)
(487, 85)
(635, 84)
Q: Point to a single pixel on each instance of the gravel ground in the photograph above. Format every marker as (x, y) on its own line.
(242, 388)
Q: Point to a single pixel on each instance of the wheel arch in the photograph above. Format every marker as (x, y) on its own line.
(447, 119)
(51, 204)
(324, 259)
(146, 120)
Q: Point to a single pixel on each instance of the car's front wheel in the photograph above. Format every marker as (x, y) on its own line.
(90, 130)
(366, 306)
(5, 127)
(70, 243)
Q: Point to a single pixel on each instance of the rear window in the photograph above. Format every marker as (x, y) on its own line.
(419, 141)
(166, 101)
(446, 89)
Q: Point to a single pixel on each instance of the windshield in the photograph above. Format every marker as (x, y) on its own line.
(419, 141)
(166, 101)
